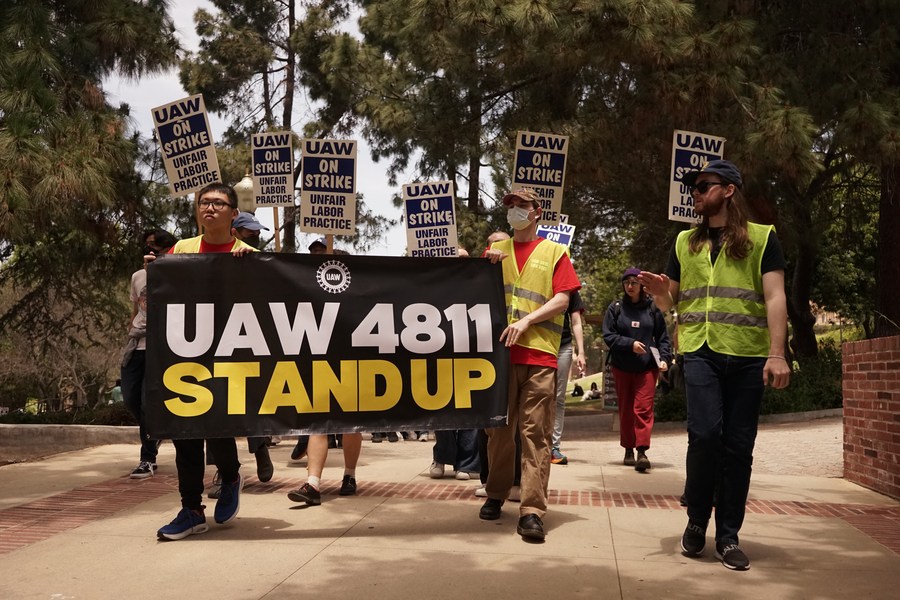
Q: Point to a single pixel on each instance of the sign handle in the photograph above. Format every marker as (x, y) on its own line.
(277, 229)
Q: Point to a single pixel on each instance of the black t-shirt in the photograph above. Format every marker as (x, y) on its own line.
(575, 305)
(772, 259)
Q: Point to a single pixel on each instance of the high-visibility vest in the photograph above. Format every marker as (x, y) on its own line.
(722, 304)
(192, 245)
(529, 288)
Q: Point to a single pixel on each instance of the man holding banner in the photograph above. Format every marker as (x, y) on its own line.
(216, 209)
(538, 279)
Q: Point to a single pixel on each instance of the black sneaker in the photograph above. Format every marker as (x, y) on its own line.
(490, 510)
(377, 438)
(393, 437)
(732, 556)
(264, 467)
(348, 486)
(693, 541)
(306, 493)
(531, 528)
(628, 461)
(143, 470)
(642, 463)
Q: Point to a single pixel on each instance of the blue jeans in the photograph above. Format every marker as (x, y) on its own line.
(724, 394)
(458, 448)
(564, 365)
(133, 395)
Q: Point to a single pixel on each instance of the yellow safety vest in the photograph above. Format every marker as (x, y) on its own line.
(722, 304)
(529, 288)
(192, 245)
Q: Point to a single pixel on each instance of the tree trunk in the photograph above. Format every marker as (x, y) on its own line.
(887, 261)
(289, 228)
(803, 341)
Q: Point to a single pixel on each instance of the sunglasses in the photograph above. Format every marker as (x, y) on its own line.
(704, 186)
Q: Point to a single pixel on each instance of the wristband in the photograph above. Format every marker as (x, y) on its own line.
(774, 356)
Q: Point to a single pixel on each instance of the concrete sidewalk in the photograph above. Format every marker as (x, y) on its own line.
(73, 526)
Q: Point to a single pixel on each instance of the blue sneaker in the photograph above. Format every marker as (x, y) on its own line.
(229, 502)
(186, 522)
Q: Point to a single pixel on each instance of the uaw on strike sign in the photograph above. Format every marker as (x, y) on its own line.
(188, 152)
(268, 344)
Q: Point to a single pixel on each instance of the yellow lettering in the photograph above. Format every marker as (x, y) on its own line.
(326, 383)
(419, 381)
(369, 371)
(285, 389)
(174, 380)
(465, 384)
(237, 374)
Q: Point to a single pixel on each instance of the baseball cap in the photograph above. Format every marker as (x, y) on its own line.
(630, 272)
(723, 168)
(524, 194)
(319, 240)
(246, 220)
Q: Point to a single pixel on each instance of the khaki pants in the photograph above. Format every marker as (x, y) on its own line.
(532, 408)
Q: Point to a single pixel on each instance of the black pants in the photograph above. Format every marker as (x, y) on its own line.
(191, 467)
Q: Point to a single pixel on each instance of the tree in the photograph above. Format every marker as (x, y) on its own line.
(69, 193)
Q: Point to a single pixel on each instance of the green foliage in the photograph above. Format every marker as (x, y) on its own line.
(815, 385)
(71, 202)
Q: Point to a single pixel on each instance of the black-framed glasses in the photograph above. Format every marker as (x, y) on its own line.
(704, 186)
(216, 204)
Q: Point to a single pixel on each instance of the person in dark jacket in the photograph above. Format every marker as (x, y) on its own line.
(635, 331)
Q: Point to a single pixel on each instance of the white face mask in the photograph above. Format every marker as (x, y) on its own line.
(517, 217)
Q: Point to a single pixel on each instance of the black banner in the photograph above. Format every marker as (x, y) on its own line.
(270, 344)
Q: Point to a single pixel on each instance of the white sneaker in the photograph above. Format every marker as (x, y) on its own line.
(423, 437)
(514, 493)
(462, 475)
(481, 492)
(436, 471)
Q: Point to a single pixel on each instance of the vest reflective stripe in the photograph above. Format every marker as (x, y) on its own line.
(192, 245)
(528, 289)
(723, 292)
(526, 294)
(723, 305)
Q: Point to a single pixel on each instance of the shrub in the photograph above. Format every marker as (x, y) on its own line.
(113, 414)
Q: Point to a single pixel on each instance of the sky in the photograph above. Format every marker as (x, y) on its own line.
(152, 91)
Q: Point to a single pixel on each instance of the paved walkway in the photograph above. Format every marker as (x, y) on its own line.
(74, 527)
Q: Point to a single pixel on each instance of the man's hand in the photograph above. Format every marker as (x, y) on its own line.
(513, 332)
(776, 372)
(494, 256)
(658, 285)
(242, 251)
(580, 362)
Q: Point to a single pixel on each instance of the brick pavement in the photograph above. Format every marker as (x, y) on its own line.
(812, 449)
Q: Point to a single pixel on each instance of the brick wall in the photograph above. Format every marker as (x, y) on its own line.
(871, 387)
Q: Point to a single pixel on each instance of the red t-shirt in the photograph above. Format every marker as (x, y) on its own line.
(564, 280)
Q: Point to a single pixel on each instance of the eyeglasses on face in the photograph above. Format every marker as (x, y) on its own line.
(216, 204)
(704, 186)
(631, 282)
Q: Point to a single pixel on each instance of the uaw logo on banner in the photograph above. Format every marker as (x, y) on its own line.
(690, 151)
(188, 152)
(430, 219)
(273, 168)
(328, 193)
(270, 344)
(541, 165)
